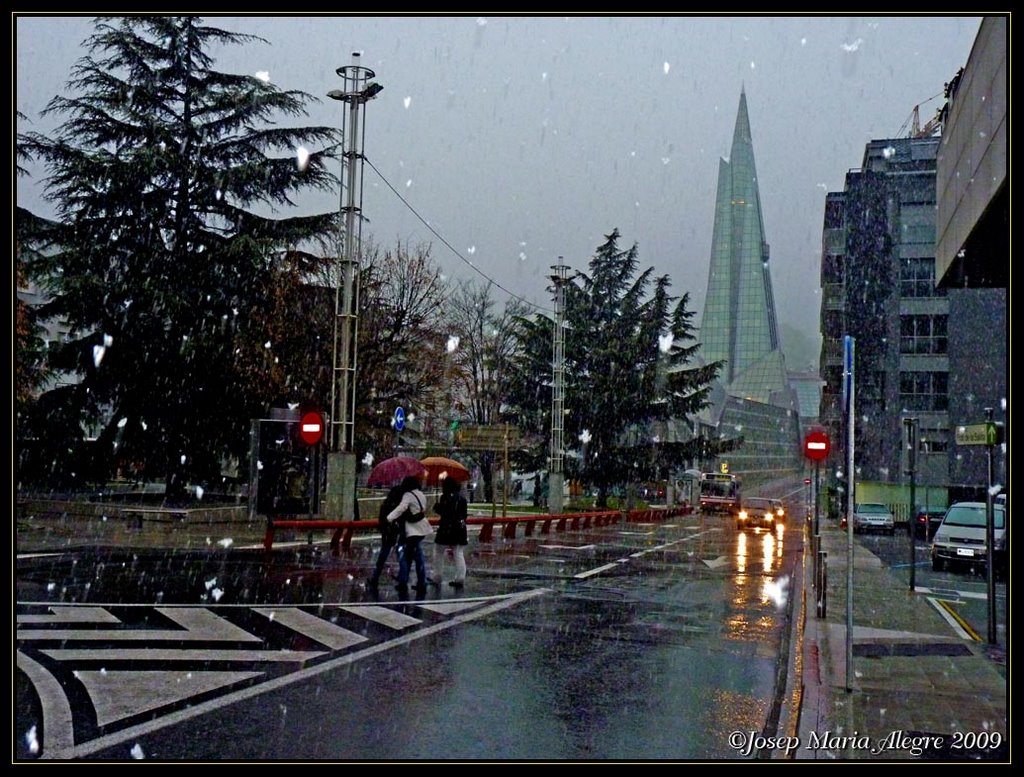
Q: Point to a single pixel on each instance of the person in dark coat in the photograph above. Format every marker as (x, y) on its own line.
(451, 531)
(388, 533)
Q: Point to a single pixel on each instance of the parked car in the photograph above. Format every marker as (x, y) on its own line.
(873, 516)
(759, 512)
(926, 521)
(960, 538)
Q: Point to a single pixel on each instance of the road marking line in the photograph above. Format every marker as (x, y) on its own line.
(596, 571)
(717, 562)
(197, 626)
(173, 654)
(58, 720)
(947, 592)
(116, 695)
(960, 626)
(59, 743)
(385, 616)
(318, 629)
(63, 614)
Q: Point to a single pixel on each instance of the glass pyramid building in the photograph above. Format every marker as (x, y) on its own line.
(739, 326)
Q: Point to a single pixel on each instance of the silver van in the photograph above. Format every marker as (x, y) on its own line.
(960, 538)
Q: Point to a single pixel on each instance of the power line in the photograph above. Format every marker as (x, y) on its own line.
(450, 247)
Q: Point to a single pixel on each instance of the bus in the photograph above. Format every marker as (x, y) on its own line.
(720, 493)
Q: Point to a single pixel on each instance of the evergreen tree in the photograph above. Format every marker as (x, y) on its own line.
(29, 372)
(629, 346)
(157, 254)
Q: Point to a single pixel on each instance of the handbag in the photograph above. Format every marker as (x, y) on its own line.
(408, 517)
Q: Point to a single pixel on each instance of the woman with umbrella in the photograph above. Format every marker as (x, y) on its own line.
(451, 531)
(411, 510)
(388, 533)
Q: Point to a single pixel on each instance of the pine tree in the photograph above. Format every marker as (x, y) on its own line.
(157, 253)
(629, 352)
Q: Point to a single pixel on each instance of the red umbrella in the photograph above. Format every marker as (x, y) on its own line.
(439, 467)
(390, 472)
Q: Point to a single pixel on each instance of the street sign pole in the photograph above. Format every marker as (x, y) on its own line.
(911, 427)
(817, 482)
(816, 448)
(848, 348)
(990, 534)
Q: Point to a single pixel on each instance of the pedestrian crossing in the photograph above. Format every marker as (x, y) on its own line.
(140, 667)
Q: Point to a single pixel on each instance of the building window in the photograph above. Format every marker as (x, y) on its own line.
(923, 334)
(917, 278)
(933, 445)
(933, 439)
(924, 391)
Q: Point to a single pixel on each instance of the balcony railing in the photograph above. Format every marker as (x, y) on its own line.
(833, 351)
(834, 296)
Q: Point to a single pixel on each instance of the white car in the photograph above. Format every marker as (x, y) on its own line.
(759, 513)
(873, 516)
(960, 539)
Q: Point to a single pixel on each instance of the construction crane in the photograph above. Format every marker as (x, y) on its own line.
(931, 127)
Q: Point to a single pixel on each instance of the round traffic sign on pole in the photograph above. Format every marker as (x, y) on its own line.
(311, 428)
(399, 419)
(816, 445)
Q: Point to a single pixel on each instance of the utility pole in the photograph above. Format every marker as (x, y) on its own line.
(849, 346)
(555, 475)
(990, 535)
(341, 461)
(911, 427)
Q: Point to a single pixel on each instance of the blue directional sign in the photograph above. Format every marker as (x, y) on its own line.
(848, 345)
(399, 419)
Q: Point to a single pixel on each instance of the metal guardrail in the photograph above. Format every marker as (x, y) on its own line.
(344, 530)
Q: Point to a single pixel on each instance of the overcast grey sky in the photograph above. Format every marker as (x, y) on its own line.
(522, 139)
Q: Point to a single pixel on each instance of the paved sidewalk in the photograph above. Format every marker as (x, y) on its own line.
(917, 690)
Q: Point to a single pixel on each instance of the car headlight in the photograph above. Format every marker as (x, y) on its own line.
(743, 515)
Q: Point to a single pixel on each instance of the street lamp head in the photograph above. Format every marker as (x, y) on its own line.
(372, 90)
(337, 94)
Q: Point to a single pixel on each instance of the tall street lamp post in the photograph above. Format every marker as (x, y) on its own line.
(357, 89)
(555, 476)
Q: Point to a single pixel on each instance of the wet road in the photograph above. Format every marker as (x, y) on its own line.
(634, 641)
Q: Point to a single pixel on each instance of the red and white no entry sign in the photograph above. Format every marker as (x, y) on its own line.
(311, 430)
(816, 445)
